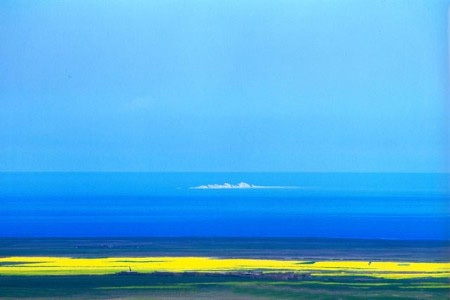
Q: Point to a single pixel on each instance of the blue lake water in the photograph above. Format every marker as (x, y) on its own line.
(386, 206)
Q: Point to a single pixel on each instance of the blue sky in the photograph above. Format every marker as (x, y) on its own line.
(326, 86)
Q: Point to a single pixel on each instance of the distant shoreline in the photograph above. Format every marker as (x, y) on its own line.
(267, 248)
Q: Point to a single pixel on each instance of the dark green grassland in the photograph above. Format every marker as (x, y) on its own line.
(218, 287)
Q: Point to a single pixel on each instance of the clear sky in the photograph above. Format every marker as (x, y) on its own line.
(326, 86)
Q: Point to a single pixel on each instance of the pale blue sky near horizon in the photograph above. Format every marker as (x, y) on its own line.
(288, 86)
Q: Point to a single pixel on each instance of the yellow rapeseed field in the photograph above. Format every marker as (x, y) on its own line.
(99, 266)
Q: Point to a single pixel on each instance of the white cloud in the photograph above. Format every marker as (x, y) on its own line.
(241, 185)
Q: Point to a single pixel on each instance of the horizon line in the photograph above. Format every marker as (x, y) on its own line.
(240, 172)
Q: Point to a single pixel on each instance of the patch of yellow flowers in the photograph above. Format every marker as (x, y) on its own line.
(111, 265)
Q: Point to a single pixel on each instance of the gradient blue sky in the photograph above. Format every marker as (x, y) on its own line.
(358, 86)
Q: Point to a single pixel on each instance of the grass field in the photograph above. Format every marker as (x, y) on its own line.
(94, 269)
(186, 286)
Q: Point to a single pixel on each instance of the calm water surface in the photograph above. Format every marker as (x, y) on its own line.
(387, 206)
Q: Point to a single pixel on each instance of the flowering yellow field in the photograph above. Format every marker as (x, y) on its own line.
(99, 266)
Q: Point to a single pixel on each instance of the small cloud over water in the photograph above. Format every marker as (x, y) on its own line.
(241, 185)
